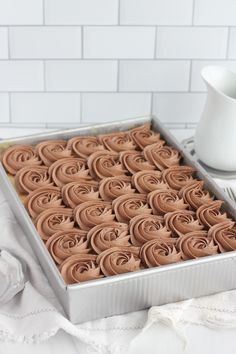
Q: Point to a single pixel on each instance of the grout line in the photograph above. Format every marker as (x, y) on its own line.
(115, 25)
(155, 43)
(105, 92)
(190, 75)
(114, 59)
(43, 12)
(228, 42)
(8, 44)
(118, 17)
(118, 76)
(193, 12)
(82, 42)
(44, 77)
(81, 106)
(9, 107)
(151, 104)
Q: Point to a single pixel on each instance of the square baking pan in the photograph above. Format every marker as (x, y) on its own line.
(128, 292)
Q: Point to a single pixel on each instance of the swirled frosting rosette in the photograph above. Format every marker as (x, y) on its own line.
(143, 136)
(130, 205)
(84, 146)
(210, 214)
(64, 244)
(135, 161)
(117, 142)
(52, 220)
(155, 253)
(107, 235)
(30, 178)
(144, 228)
(165, 200)
(162, 156)
(68, 170)
(195, 195)
(148, 181)
(196, 244)
(118, 260)
(78, 192)
(52, 150)
(224, 235)
(92, 213)
(181, 222)
(104, 164)
(79, 268)
(17, 156)
(112, 187)
(42, 199)
(178, 176)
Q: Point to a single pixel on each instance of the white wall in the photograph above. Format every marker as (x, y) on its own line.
(69, 61)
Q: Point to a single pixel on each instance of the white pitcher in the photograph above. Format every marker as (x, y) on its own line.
(215, 138)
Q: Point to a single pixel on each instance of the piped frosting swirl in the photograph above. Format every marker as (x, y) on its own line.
(75, 193)
(162, 156)
(112, 187)
(130, 205)
(30, 178)
(52, 150)
(164, 201)
(155, 253)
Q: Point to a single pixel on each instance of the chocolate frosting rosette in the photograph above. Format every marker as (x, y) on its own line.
(178, 176)
(68, 170)
(135, 161)
(52, 150)
(196, 244)
(52, 220)
(30, 178)
(107, 235)
(143, 136)
(43, 199)
(130, 205)
(162, 156)
(165, 201)
(118, 260)
(224, 235)
(181, 222)
(144, 228)
(78, 192)
(84, 146)
(104, 164)
(64, 244)
(194, 194)
(117, 142)
(112, 187)
(155, 253)
(17, 156)
(209, 214)
(148, 181)
(92, 213)
(79, 268)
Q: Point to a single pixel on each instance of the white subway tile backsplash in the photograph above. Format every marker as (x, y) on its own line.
(21, 12)
(4, 108)
(85, 75)
(156, 12)
(45, 42)
(103, 107)
(150, 75)
(191, 42)
(21, 75)
(215, 12)
(3, 43)
(119, 42)
(232, 43)
(178, 107)
(82, 12)
(45, 107)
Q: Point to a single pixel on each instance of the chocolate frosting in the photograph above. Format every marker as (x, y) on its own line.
(30, 178)
(84, 146)
(118, 260)
(117, 142)
(18, 156)
(78, 192)
(196, 244)
(64, 244)
(52, 150)
(148, 181)
(209, 214)
(135, 161)
(112, 187)
(164, 201)
(144, 228)
(178, 176)
(155, 253)
(162, 156)
(130, 205)
(181, 222)
(107, 235)
(224, 235)
(92, 213)
(194, 194)
(79, 268)
(143, 136)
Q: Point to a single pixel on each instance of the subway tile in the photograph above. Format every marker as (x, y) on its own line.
(215, 12)
(3, 43)
(21, 12)
(156, 12)
(232, 43)
(4, 108)
(21, 75)
(45, 107)
(55, 42)
(191, 42)
(82, 12)
(154, 75)
(178, 107)
(105, 107)
(84, 75)
(119, 42)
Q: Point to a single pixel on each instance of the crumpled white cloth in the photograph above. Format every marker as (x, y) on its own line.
(34, 314)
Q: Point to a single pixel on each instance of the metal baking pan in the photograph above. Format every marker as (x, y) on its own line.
(131, 291)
